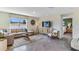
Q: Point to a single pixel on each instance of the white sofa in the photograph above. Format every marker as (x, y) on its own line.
(75, 44)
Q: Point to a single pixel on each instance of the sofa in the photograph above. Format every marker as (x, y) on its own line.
(75, 44)
(11, 36)
(10, 39)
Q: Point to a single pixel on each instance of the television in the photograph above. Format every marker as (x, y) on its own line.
(46, 24)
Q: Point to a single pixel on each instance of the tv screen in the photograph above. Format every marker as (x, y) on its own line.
(46, 24)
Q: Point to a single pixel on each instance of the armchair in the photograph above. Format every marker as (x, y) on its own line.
(54, 34)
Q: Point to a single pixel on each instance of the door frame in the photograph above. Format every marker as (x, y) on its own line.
(69, 15)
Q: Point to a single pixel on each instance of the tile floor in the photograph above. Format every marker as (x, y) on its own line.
(40, 43)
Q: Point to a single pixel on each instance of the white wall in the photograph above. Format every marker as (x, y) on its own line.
(4, 17)
(76, 25)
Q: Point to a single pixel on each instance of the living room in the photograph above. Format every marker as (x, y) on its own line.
(37, 28)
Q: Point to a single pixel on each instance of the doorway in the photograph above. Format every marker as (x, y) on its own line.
(67, 28)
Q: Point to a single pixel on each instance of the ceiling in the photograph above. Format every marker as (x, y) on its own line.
(37, 11)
